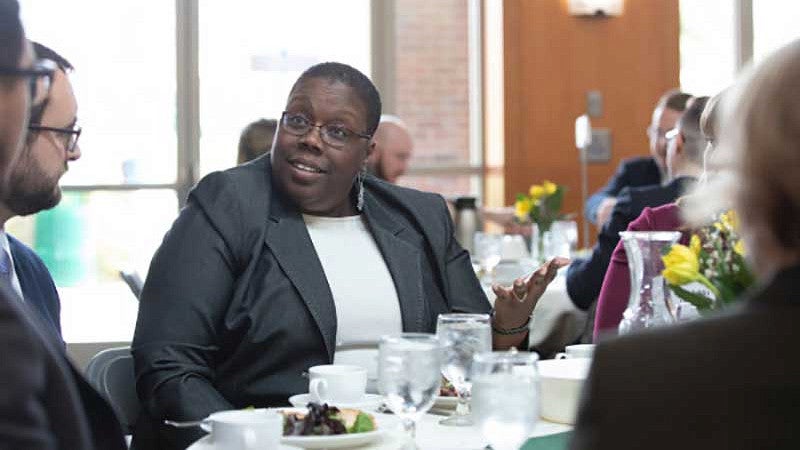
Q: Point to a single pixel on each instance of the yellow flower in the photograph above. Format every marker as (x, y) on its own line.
(681, 265)
(522, 208)
(695, 245)
(730, 220)
(536, 192)
(738, 247)
(550, 188)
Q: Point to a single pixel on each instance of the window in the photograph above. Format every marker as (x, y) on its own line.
(708, 49)
(774, 25)
(119, 198)
(249, 61)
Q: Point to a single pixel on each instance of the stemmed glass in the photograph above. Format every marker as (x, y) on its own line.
(462, 336)
(505, 397)
(408, 370)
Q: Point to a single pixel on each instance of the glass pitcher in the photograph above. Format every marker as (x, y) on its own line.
(649, 304)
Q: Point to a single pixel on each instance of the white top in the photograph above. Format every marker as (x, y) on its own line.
(7, 248)
(366, 300)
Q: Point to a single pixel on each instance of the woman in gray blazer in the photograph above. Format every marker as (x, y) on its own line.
(243, 295)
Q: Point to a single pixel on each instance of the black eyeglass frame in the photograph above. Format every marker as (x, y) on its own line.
(311, 125)
(76, 131)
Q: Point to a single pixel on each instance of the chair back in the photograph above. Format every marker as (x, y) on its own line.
(111, 373)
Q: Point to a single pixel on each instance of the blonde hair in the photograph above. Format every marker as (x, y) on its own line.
(758, 158)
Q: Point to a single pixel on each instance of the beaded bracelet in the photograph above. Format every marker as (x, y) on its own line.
(509, 331)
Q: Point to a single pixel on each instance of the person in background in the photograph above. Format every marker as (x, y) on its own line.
(51, 143)
(730, 381)
(256, 139)
(393, 149)
(45, 404)
(641, 171)
(614, 294)
(585, 276)
(273, 264)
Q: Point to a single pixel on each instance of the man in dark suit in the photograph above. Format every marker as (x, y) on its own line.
(640, 171)
(685, 163)
(51, 142)
(44, 402)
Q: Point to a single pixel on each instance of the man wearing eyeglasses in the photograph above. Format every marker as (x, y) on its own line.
(50, 144)
(641, 171)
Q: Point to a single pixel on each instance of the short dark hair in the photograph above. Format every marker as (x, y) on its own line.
(352, 77)
(11, 34)
(44, 52)
(689, 124)
(256, 139)
(674, 100)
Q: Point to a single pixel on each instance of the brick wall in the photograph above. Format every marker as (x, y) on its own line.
(432, 90)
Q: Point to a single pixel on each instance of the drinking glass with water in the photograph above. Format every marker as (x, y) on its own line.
(462, 336)
(505, 397)
(409, 377)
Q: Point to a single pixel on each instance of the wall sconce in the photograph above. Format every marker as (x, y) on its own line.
(599, 8)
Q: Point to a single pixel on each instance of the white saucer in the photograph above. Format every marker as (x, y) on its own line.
(369, 401)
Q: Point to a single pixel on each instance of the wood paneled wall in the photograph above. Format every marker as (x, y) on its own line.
(552, 59)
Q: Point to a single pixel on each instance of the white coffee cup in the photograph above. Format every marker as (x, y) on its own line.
(337, 383)
(245, 429)
(577, 351)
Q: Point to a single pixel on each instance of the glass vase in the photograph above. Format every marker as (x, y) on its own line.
(649, 303)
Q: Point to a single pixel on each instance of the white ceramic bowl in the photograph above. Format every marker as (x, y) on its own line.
(561, 385)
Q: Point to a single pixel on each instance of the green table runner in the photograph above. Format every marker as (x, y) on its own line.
(551, 442)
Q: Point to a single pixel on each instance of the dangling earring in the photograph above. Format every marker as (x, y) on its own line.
(360, 182)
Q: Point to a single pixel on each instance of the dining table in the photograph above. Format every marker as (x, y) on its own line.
(433, 436)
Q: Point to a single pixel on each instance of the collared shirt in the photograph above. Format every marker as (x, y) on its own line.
(13, 279)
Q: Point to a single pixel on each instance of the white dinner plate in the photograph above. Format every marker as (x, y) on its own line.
(383, 424)
(369, 402)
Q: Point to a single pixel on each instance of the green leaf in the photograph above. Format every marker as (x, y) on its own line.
(362, 424)
(701, 302)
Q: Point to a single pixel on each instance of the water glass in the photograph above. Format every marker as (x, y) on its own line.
(505, 397)
(409, 375)
(462, 337)
(488, 252)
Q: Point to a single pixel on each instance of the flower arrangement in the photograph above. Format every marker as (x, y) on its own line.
(542, 206)
(715, 259)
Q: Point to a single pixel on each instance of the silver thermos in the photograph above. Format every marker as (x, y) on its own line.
(467, 222)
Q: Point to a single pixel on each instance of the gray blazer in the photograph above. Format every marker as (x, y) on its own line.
(236, 304)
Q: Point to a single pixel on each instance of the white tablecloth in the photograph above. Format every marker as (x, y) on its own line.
(430, 436)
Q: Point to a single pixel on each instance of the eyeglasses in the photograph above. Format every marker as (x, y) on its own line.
(69, 135)
(336, 136)
(671, 134)
(40, 78)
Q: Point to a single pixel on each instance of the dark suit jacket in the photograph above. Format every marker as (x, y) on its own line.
(44, 401)
(37, 285)
(729, 382)
(631, 173)
(585, 276)
(236, 305)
